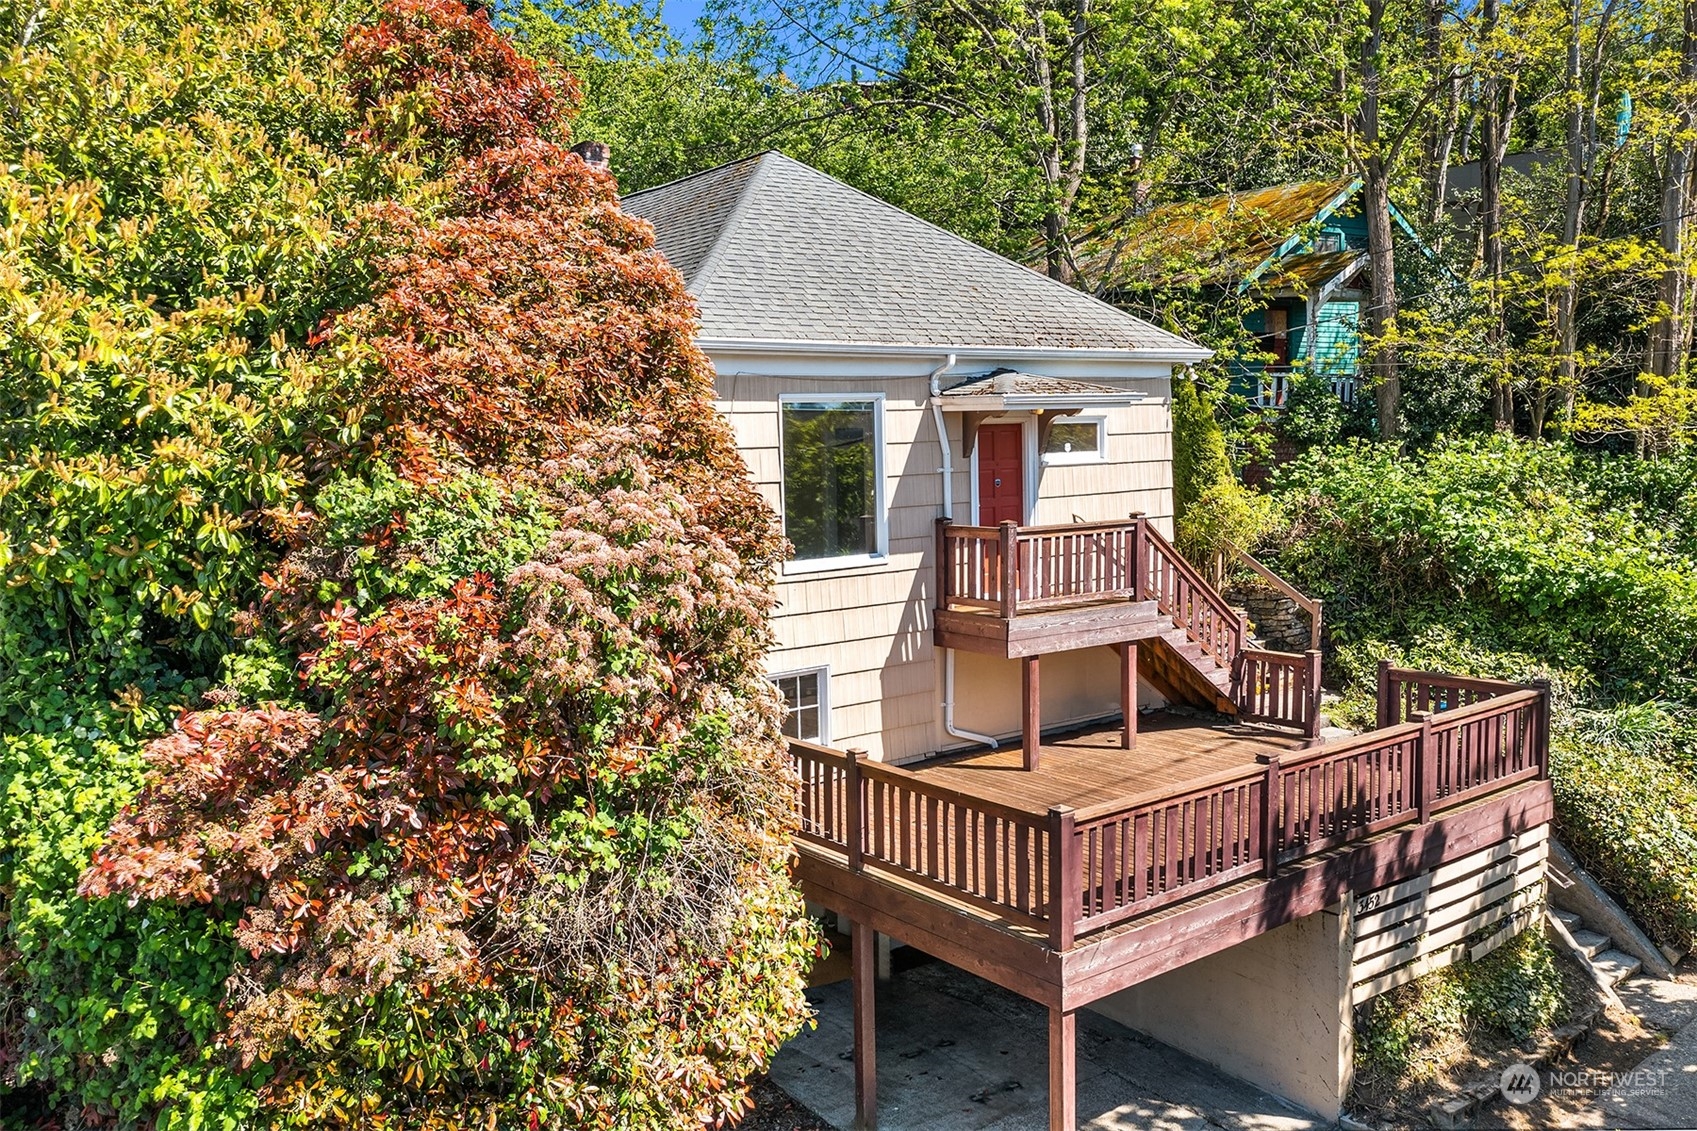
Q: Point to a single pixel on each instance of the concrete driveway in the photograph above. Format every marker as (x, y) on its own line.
(957, 1053)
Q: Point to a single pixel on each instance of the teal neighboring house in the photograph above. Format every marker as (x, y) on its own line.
(1297, 251)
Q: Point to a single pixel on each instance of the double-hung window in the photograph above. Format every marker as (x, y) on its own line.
(833, 468)
(807, 713)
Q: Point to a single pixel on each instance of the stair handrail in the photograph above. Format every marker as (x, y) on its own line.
(1313, 606)
(1210, 596)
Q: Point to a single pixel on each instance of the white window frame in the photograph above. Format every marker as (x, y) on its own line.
(1099, 454)
(823, 673)
(881, 525)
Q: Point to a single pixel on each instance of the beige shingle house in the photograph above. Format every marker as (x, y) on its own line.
(882, 374)
(973, 464)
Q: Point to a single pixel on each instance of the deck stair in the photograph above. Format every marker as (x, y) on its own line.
(1023, 592)
(1612, 966)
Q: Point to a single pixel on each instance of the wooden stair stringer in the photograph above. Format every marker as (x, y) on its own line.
(1182, 680)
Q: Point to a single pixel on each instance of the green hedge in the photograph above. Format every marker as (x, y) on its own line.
(1631, 819)
(1511, 544)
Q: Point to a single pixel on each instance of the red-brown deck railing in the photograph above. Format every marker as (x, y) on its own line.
(1278, 687)
(970, 848)
(1012, 569)
(1064, 872)
(1404, 692)
(1179, 590)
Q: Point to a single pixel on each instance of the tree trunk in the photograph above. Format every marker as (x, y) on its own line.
(1579, 128)
(1065, 140)
(1382, 298)
(1442, 146)
(1381, 257)
(1049, 128)
(1496, 111)
(1670, 337)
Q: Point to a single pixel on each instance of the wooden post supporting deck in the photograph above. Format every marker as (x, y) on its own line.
(1128, 693)
(1388, 708)
(1031, 713)
(863, 963)
(1139, 558)
(1007, 553)
(941, 551)
(1063, 1070)
(1425, 765)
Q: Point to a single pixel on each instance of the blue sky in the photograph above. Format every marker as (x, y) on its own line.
(681, 16)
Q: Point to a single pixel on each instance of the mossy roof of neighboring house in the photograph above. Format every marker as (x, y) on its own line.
(1240, 239)
(1308, 270)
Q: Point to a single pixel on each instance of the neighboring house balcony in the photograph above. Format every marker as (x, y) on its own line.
(1272, 386)
(1107, 867)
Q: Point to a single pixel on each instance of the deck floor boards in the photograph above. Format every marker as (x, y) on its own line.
(1087, 766)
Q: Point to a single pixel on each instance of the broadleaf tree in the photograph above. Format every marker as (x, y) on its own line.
(386, 601)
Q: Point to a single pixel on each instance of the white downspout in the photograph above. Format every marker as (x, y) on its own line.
(947, 471)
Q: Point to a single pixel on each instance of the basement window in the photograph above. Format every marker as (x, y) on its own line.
(1076, 440)
(807, 715)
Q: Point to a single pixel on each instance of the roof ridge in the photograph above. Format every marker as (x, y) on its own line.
(687, 177)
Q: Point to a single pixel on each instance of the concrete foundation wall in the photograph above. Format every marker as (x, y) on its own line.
(1274, 1011)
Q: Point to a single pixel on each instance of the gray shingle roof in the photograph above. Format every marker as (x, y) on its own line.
(1028, 384)
(774, 250)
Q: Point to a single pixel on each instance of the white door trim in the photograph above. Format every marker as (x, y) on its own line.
(1028, 434)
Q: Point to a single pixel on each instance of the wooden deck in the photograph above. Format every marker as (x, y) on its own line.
(1097, 835)
(1053, 628)
(1021, 593)
(1105, 866)
(1087, 767)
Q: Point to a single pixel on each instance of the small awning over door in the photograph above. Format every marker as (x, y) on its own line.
(1007, 390)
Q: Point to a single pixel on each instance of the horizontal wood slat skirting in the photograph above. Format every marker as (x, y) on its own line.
(1463, 909)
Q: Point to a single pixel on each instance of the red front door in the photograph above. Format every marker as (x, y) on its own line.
(1001, 474)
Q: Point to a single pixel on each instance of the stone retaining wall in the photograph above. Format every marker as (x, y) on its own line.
(1276, 618)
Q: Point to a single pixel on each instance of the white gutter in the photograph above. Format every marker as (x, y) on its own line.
(947, 471)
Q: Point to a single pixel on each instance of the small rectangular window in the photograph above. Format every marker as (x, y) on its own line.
(807, 716)
(832, 459)
(1076, 441)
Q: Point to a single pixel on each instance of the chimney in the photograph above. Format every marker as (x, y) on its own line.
(595, 154)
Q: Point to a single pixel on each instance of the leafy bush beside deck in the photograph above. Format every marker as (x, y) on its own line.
(1409, 1032)
(1512, 560)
